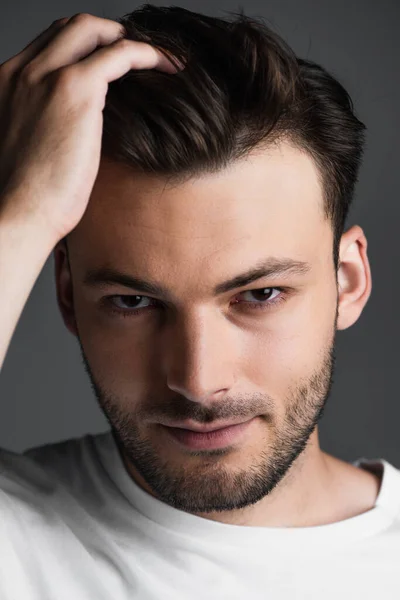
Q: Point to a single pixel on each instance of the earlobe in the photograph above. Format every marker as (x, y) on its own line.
(354, 277)
(64, 289)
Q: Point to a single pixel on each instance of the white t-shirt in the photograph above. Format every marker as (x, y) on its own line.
(74, 526)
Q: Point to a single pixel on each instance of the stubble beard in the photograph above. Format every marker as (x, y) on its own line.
(208, 485)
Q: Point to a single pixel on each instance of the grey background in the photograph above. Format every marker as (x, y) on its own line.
(45, 394)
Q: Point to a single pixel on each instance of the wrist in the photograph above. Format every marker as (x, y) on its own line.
(24, 228)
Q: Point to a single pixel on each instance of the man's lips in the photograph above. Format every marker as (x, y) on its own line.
(192, 426)
(208, 438)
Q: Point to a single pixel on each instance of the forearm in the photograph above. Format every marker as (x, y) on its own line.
(25, 246)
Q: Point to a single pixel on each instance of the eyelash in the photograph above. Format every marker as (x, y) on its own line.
(252, 305)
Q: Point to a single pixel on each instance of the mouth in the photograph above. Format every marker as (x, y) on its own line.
(191, 426)
(211, 438)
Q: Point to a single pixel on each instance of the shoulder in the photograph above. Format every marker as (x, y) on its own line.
(43, 470)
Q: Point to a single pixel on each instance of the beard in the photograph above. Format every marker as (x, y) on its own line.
(208, 485)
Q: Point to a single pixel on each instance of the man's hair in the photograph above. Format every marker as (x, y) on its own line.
(241, 89)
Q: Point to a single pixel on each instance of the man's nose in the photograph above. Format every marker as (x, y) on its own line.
(200, 356)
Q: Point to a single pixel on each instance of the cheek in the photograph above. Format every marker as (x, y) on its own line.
(291, 344)
(125, 359)
(119, 353)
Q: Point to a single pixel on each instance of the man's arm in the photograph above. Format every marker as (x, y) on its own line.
(25, 245)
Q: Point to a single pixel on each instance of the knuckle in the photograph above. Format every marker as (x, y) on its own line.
(65, 79)
(81, 18)
(61, 21)
(28, 74)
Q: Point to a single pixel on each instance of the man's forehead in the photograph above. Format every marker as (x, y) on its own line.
(273, 187)
(267, 207)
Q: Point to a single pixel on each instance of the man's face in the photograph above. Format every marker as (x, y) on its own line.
(261, 350)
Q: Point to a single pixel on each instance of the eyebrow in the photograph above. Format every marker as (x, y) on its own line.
(272, 267)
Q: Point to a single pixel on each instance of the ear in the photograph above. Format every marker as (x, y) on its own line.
(354, 277)
(63, 279)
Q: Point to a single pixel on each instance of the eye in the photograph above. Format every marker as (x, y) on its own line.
(265, 297)
(134, 304)
(130, 302)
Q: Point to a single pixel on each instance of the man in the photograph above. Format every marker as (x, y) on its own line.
(205, 282)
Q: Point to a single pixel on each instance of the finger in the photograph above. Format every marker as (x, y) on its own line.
(79, 37)
(17, 61)
(115, 60)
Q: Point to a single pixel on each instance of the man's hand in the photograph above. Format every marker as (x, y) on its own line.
(51, 99)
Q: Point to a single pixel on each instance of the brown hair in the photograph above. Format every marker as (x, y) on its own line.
(242, 87)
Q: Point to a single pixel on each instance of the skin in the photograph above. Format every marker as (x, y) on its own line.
(194, 355)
